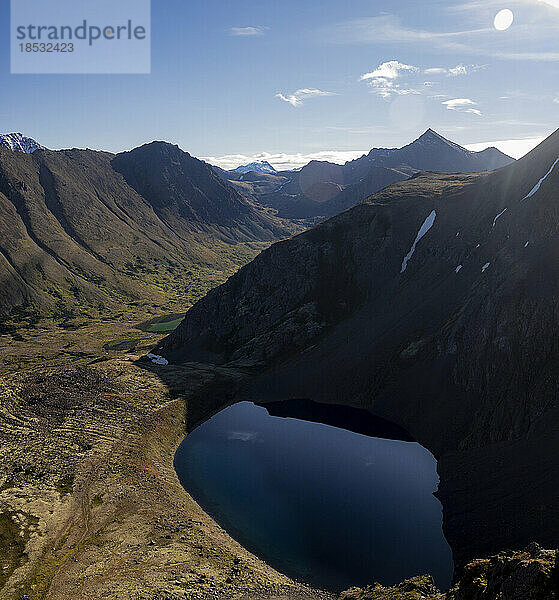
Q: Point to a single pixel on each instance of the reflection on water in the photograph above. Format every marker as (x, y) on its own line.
(320, 503)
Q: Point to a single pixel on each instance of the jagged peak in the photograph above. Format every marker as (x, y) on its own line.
(18, 142)
(431, 134)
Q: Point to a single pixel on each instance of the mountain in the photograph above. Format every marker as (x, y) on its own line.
(89, 231)
(323, 189)
(261, 166)
(433, 304)
(430, 152)
(188, 195)
(19, 143)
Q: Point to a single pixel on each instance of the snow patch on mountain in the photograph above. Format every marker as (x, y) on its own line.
(427, 224)
(497, 217)
(158, 360)
(538, 185)
(19, 143)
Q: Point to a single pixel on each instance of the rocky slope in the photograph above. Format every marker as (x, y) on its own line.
(322, 189)
(90, 505)
(432, 304)
(86, 231)
(188, 196)
(529, 575)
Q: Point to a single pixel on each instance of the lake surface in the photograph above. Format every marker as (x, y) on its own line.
(324, 505)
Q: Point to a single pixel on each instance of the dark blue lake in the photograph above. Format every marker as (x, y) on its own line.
(322, 504)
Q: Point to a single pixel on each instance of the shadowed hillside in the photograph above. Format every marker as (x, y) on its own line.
(433, 304)
(75, 237)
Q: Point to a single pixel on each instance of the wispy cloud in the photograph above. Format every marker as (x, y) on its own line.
(284, 161)
(456, 71)
(462, 105)
(477, 5)
(540, 56)
(250, 31)
(384, 79)
(388, 29)
(297, 98)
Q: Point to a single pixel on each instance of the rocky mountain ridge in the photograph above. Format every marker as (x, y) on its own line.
(322, 189)
(84, 230)
(432, 304)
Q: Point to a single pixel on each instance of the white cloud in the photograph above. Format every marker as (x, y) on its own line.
(556, 99)
(298, 97)
(284, 161)
(462, 105)
(456, 71)
(515, 148)
(384, 79)
(389, 70)
(250, 31)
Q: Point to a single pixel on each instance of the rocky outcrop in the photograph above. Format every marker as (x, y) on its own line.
(529, 575)
(416, 588)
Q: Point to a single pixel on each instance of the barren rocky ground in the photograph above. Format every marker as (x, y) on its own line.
(90, 505)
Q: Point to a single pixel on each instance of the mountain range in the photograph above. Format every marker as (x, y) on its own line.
(83, 230)
(432, 304)
(322, 189)
(90, 230)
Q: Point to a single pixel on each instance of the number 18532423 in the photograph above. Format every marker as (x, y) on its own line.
(46, 47)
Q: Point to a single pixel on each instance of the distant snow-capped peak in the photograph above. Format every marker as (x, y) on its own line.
(261, 166)
(19, 143)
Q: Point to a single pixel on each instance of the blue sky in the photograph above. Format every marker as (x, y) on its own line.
(288, 81)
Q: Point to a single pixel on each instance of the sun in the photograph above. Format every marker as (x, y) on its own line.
(504, 19)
